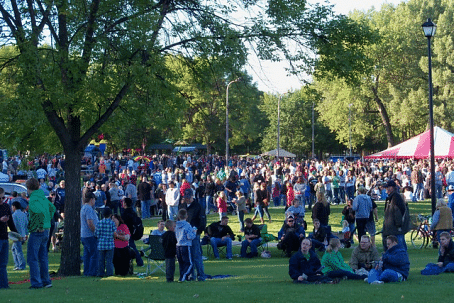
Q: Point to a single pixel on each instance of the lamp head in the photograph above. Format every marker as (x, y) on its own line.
(429, 28)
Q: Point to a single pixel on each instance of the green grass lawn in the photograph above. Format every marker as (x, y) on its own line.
(256, 280)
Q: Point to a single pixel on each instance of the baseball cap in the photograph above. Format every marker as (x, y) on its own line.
(450, 187)
(391, 183)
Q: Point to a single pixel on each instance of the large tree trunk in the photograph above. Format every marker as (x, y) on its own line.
(70, 257)
(383, 114)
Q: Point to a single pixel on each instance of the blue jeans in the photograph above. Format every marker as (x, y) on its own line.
(350, 191)
(253, 244)
(172, 212)
(259, 211)
(336, 195)
(37, 258)
(418, 190)
(343, 273)
(18, 255)
(90, 257)
(439, 190)
(196, 255)
(209, 204)
(132, 244)
(145, 206)
(342, 194)
(241, 220)
(4, 253)
(202, 202)
(387, 275)
(276, 201)
(105, 262)
(115, 206)
(215, 242)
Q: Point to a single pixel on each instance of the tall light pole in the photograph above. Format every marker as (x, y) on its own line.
(350, 128)
(429, 29)
(227, 121)
(279, 123)
(313, 131)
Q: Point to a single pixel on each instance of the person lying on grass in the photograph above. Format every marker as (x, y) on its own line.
(445, 257)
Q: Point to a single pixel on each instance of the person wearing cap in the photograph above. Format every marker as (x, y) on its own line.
(397, 219)
(290, 236)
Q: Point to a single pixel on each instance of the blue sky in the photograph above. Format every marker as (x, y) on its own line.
(272, 77)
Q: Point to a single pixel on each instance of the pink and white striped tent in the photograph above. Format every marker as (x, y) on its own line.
(419, 147)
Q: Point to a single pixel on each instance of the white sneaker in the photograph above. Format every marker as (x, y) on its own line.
(377, 282)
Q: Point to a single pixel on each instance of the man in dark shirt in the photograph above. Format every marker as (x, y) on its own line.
(6, 220)
(220, 234)
(128, 216)
(252, 238)
(144, 195)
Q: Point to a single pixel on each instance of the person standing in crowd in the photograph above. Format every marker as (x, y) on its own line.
(397, 218)
(88, 221)
(114, 197)
(362, 205)
(105, 232)
(169, 242)
(241, 208)
(129, 216)
(172, 200)
(40, 211)
(197, 220)
(6, 220)
(21, 222)
(144, 195)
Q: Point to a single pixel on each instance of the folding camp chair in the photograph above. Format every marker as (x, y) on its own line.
(156, 255)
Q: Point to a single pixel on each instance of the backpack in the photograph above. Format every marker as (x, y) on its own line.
(137, 229)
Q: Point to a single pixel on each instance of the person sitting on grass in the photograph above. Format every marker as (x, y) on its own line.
(395, 265)
(290, 236)
(364, 256)
(252, 238)
(334, 265)
(304, 266)
(318, 236)
(445, 257)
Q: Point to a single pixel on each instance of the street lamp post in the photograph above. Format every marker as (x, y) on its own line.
(429, 29)
(278, 123)
(227, 121)
(350, 128)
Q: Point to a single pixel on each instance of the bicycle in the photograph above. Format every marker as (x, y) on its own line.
(421, 236)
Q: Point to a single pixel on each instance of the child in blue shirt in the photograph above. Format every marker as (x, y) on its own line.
(105, 231)
(21, 221)
(185, 234)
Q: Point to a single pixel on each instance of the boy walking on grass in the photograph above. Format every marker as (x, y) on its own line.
(105, 230)
(21, 222)
(184, 234)
(169, 241)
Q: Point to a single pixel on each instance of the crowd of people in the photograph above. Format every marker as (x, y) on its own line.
(118, 191)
